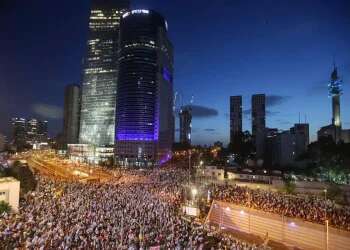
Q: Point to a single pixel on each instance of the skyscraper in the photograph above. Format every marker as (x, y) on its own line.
(259, 122)
(144, 123)
(99, 83)
(28, 132)
(301, 134)
(71, 114)
(235, 116)
(19, 132)
(36, 131)
(185, 118)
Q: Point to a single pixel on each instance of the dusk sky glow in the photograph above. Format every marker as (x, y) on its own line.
(282, 48)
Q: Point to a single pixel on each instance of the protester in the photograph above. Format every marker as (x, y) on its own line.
(139, 211)
(309, 208)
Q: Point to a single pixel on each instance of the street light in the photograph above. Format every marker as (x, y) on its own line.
(194, 192)
(325, 218)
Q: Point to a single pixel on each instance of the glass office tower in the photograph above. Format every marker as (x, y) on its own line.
(71, 114)
(259, 123)
(144, 117)
(99, 83)
(235, 117)
(185, 118)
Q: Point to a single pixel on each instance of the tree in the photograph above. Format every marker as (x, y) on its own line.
(289, 187)
(242, 146)
(4, 207)
(329, 160)
(23, 174)
(335, 193)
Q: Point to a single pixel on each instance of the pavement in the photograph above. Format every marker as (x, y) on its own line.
(48, 164)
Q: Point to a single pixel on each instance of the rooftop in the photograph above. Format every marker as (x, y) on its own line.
(8, 179)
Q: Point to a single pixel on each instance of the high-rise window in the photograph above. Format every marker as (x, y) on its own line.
(99, 84)
(144, 123)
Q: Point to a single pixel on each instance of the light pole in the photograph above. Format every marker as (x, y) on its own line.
(249, 199)
(325, 218)
(222, 212)
(194, 193)
(189, 166)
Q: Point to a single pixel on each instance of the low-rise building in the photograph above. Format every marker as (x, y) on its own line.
(89, 153)
(2, 142)
(245, 175)
(9, 191)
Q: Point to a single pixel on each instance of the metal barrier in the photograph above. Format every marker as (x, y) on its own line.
(293, 232)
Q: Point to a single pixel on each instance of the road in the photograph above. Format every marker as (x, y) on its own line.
(49, 164)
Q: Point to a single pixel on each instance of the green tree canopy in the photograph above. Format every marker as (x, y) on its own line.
(4, 207)
(23, 174)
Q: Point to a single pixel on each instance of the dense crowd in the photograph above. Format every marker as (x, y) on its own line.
(309, 208)
(121, 215)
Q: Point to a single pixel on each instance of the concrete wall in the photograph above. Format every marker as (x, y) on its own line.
(9, 191)
(293, 232)
(218, 174)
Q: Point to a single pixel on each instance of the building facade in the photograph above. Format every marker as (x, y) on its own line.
(235, 116)
(90, 154)
(71, 115)
(301, 132)
(27, 132)
(3, 142)
(144, 117)
(99, 83)
(270, 149)
(185, 118)
(36, 131)
(259, 123)
(19, 132)
(284, 147)
(9, 192)
(331, 131)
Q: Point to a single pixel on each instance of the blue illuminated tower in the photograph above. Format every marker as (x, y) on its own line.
(335, 91)
(144, 116)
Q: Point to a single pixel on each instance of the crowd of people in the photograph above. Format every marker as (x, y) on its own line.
(309, 208)
(125, 214)
(141, 210)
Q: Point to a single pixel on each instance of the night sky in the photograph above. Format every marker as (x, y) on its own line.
(282, 48)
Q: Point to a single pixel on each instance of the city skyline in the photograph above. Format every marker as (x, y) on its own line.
(241, 66)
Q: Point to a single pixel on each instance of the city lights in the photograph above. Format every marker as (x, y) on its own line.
(118, 133)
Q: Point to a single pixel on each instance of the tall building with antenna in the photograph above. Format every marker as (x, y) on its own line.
(334, 130)
(335, 91)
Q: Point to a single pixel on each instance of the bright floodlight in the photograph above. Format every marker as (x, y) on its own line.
(194, 191)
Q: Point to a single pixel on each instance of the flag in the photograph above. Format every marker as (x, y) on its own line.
(266, 239)
(155, 248)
